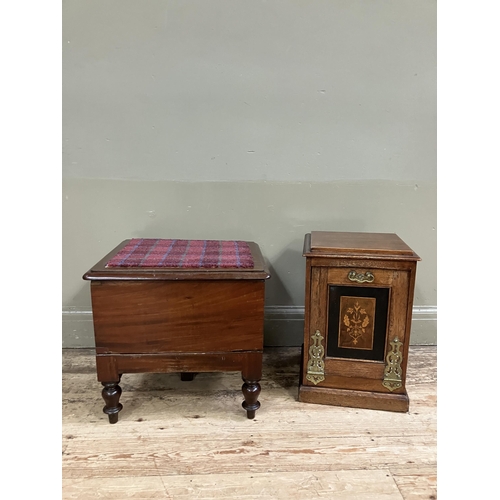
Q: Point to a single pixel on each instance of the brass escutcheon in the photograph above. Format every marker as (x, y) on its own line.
(316, 364)
(361, 277)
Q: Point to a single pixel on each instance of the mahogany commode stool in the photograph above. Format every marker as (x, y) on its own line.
(187, 306)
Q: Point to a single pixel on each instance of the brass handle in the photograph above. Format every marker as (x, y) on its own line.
(361, 277)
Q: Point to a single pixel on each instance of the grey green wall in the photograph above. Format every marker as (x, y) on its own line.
(250, 120)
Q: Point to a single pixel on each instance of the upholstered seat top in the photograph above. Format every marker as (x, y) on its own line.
(189, 254)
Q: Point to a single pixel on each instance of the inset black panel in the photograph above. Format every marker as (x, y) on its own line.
(357, 322)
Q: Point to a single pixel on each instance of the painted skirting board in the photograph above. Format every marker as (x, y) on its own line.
(283, 326)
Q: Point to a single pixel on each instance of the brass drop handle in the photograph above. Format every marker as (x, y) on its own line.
(361, 277)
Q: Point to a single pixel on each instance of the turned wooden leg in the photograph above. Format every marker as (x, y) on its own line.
(187, 376)
(251, 391)
(111, 395)
(251, 374)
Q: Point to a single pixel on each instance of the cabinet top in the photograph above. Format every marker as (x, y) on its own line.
(349, 244)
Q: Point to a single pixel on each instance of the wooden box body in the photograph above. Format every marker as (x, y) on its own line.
(167, 319)
(358, 308)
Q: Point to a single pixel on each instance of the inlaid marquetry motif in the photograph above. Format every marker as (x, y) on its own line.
(357, 322)
(316, 363)
(393, 372)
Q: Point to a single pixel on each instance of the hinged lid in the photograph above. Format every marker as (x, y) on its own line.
(339, 244)
(162, 259)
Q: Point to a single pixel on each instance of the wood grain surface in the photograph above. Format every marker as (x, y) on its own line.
(184, 440)
(177, 316)
(351, 242)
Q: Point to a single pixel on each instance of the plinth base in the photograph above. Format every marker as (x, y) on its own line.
(354, 399)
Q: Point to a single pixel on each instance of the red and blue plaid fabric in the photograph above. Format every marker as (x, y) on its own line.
(148, 252)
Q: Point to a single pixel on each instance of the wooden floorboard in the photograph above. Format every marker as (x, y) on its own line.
(188, 440)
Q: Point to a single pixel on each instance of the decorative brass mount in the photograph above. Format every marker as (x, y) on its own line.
(393, 372)
(316, 364)
(361, 277)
